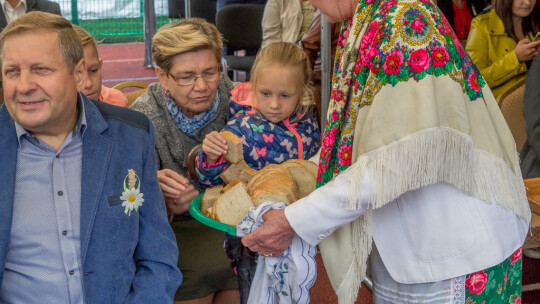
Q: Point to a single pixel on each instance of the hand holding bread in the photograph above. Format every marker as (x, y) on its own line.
(214, 145)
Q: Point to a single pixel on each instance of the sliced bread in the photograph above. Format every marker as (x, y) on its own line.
(269, 197)
(233, 171)
(235, 153)
(305, 181)
(231, 184)
(246, 174)
(308, 165)
(233, 205)
(210, 197)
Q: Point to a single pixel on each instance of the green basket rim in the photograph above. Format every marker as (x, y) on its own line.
(195, 211)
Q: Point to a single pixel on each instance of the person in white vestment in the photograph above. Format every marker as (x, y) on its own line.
(418, 172)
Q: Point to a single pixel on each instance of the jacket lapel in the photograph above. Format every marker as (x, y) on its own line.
(495, 24)
(8, 165)
(3, 20)
(30, 5)
(96, 156)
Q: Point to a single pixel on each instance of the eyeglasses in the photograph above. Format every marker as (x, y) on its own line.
(187, 80)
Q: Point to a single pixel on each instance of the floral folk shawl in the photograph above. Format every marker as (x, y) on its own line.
(409, 107)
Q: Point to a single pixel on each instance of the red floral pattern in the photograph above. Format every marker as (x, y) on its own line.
(516, 256)
(401, 41)
(476, 282)
(419, 61)
(498, 284)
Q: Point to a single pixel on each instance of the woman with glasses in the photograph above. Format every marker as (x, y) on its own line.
(190, 100)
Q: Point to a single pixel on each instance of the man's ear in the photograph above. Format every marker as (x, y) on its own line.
(100, 63)
(80, 74)
(163, 78)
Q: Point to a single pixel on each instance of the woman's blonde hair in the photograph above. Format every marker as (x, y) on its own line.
(186, 35)
(295, 59)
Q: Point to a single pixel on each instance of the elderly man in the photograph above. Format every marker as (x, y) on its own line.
(75, 226)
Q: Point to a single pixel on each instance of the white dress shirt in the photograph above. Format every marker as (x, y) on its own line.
(426, 235)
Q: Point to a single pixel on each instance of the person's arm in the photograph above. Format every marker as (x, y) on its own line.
(271, 23)
(315, 135)
(494, 72)
(208, 175)
(311, 42)
(531, 105)
(156, 277)
(313, 218)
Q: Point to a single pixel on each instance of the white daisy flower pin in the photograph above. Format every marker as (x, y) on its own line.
(132, 197)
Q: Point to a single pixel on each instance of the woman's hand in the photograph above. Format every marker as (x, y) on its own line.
(214, 145)
(526, 50)
(181, 204)
(171, 183)
(177, 191)
(273, 236)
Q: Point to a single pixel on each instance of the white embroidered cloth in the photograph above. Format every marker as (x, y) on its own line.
(285, 279)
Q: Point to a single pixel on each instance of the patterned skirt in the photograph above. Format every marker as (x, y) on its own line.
(498, 284)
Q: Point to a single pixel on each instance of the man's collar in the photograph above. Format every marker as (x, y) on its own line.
(21, 2)
(80, 125)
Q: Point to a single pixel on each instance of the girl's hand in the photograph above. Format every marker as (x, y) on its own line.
(526, 50)
(214, 145)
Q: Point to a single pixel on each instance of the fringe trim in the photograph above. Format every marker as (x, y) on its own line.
(424, 158)
(438, 155)
(347, 292)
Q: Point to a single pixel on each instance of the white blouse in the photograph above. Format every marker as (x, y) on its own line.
(431, 234)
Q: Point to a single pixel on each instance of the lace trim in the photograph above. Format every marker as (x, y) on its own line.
(458, 290)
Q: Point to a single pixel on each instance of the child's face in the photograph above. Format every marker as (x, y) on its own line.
(92, 89)
(277, 96)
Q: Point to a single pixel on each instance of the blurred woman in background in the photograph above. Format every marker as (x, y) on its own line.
(501, 44)
(460, 14)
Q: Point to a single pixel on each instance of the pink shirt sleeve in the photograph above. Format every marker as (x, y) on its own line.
(113, 96)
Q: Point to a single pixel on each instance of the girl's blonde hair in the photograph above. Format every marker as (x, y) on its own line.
(290, 56)
(186, 35)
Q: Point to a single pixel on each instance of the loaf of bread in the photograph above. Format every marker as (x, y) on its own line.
(246, 187)
(235, 153)
(232, 206)
(273, 180)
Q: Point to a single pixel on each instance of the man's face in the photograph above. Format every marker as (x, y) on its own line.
(92, 88)
(40, 92)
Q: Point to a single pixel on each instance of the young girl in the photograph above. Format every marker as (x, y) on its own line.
(269, 114)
